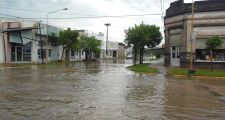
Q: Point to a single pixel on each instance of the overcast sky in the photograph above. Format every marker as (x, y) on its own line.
(78, 8)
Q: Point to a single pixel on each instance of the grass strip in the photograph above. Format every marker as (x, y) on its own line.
(199, 72)
(143, 68)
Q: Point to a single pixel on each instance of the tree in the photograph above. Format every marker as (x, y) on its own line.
(67, 39)
(89, 45)
(141, 36)
(213, 43)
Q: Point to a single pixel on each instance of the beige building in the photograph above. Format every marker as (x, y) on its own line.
(209, 20)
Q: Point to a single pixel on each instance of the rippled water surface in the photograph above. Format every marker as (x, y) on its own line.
(105, 90)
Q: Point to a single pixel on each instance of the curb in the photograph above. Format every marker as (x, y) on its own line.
(201, 77)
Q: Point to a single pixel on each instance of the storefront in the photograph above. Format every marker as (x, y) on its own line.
(18, 45)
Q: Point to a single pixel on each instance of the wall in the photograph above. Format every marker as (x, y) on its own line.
(1, 49)
(206, 24)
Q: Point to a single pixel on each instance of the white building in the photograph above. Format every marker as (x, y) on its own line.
(20, 42)
(112, 47)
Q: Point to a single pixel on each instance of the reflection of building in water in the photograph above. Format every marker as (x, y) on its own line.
(209, 20)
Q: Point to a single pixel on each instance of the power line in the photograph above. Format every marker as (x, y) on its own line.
(10, 15)
(89, 17)
(116, 16)
(28, 10)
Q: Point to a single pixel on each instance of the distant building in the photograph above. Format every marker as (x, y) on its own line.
(209, 20)
(112, 48)
(74, 55)
(154, 53)
(121, 50)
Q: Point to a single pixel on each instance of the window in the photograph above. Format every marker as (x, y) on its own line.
(43, 53)
(72, 53)
(27, 52)
(175, 52)
(203, 54)
(49, 53)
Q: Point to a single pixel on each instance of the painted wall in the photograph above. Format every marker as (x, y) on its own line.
(1, 49)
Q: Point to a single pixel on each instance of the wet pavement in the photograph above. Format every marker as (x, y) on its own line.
(105, 90)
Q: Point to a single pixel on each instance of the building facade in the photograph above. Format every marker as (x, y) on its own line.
(20, 42)
(209, 20)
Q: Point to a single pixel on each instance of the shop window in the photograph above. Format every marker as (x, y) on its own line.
(204, 54)
(27, 52)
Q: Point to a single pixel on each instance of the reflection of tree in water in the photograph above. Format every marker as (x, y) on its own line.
(140, 92)
(92, 66)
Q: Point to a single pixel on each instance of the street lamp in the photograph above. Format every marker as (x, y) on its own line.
(48, 29)
(107, 37)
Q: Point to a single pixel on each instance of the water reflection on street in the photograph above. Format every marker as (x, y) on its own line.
(105, 90)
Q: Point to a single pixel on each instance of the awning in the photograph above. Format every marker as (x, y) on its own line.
(20, 35)
(18, 29)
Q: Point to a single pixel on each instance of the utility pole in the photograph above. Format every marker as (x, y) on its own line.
(41, 52)
(107, 37)
(192, 38)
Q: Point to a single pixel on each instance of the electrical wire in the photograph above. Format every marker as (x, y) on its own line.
(28, 10)
(94, 17)
(89, 17)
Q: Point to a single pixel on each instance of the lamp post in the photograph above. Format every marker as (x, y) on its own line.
(107, 37)
(48, 30)
(191, 71)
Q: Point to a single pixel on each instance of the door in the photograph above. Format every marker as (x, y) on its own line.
(17, 54)
(175, 56)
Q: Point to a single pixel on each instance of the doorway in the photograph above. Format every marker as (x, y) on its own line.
(175, 55)
(16, 54)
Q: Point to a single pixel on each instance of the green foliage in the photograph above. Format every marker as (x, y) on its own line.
(199, 72)
(68, 38)
(90, 44)
(144, 68)
(141, 36)
(214, 43)
(54, 39)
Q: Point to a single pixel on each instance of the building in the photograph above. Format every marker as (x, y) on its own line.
(154, 53)
(20, 42)
(112, 49)
(121, 50)
(80, 55)
(209, 20)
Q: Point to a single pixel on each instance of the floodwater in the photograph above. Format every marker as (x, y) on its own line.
(105, 90)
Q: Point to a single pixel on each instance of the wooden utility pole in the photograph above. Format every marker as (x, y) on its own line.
(192, 36)
(41, 52)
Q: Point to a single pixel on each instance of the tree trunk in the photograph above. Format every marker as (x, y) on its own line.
(62, 54)
(211, 58)
(135, 55)
(86, 55)
(141, 55)
(140, 62)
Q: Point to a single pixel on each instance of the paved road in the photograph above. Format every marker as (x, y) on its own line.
(105, 90)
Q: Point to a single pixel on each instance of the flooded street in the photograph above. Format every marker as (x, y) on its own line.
(105, 90)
